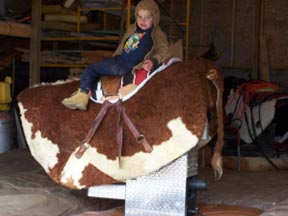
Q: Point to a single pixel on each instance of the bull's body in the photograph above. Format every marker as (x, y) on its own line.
(170, 110)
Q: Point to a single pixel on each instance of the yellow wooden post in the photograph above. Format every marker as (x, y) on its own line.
(5, 94)
(128, 13)
(78, 16)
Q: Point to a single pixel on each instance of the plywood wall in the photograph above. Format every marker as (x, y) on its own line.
(232, 26)
(275, 27)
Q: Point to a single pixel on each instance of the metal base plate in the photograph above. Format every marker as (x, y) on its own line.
(160, 193)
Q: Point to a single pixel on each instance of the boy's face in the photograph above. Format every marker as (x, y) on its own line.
(144, 19)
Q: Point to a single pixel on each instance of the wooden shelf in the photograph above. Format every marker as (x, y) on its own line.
(36, 38)
(82, 38)
(64, 65)
(100, 9)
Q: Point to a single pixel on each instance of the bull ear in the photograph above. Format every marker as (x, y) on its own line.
(211, 74)
(176, 49)
(212, 53)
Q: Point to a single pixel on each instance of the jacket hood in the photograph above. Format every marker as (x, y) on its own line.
(152, 6)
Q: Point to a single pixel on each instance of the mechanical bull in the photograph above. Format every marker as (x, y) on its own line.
(171, 111)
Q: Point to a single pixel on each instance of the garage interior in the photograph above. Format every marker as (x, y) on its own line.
(44, 41)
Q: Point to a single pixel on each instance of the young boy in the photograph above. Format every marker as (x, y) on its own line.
(144, 45)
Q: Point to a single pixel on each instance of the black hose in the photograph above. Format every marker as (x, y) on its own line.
(255, 141)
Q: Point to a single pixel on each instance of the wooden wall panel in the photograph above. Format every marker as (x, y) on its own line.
(275, 27)
(212, 21)
(244, 28)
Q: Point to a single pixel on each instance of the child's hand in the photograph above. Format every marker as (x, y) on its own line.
(147, 65)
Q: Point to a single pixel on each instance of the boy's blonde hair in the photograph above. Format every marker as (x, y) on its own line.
(151, 6)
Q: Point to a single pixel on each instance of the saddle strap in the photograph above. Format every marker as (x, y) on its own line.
(85, 143)
(140, 138)
(122, 117)
(119, 109)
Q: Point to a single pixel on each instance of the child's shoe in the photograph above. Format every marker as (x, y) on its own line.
(78, 100)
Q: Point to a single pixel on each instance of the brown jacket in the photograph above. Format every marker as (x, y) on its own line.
(160, 50)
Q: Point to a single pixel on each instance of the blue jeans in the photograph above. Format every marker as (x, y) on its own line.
(107, 67)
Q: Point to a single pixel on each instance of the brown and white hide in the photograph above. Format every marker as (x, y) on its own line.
(170, 111)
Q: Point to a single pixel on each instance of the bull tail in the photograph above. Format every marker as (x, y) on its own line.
(216, 78)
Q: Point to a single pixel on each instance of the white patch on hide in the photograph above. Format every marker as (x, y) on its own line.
(57, 82)
(73, 171)
(42, 149)
(181, 141)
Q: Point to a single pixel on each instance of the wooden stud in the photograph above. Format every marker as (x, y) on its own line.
(256, 36)
(233, 34)
(35, 43)
(187, 33)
